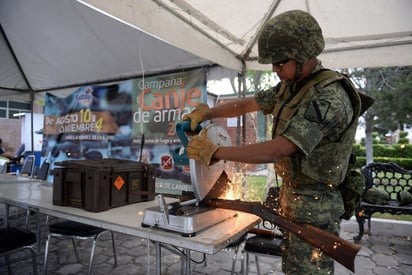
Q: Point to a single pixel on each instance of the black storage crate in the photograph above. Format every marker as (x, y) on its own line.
(98, 185)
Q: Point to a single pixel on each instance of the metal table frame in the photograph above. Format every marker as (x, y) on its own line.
(37, 196)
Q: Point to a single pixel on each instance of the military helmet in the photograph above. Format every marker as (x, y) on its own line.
(293, 34)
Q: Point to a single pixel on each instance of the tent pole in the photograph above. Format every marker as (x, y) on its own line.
(30, 89)
(242, 95)
(31, 120)
(273, 7)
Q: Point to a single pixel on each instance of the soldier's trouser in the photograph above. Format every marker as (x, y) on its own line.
(314, 205)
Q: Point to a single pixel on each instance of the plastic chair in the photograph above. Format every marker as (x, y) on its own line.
(43, 172)
(15, 239)
(26, 171)
(74, 230)
(28, 166)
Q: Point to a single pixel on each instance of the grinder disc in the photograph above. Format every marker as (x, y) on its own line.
(204, 177)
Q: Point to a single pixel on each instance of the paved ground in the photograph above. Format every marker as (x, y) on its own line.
(388, 251)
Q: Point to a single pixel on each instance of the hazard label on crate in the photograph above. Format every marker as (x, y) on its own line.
(119, 182)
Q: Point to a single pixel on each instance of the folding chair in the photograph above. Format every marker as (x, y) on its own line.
(28, 166)
(43, 172)
(236, 247)
(26, 171)
(265, 243)
(15, 239)
(74, 230)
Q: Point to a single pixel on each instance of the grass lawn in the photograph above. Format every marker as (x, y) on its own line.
(256, 188)
(393, 217)
(256, 191)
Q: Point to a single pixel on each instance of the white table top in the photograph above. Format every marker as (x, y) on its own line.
(37, 195)
(9, 178)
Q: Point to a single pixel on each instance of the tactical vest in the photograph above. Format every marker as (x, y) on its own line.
(315, 168)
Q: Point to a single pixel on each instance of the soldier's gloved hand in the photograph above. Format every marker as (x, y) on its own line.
(200, 147)
(201, 113)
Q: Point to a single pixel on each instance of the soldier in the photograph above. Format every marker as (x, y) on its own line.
(314, 124)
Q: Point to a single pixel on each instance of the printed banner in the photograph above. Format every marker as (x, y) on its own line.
(133, 119)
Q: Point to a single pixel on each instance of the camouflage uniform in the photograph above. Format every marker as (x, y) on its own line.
(316, 126)
(302, 198)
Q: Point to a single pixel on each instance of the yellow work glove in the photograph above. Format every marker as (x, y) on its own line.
(200, 147)
(201, 113)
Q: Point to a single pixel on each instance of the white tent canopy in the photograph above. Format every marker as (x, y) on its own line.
(48, 45)
(54, 44)
(366, 33)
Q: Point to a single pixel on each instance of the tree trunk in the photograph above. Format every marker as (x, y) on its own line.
(368, 141)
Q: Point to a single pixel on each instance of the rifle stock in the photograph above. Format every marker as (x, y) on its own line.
(337, 248)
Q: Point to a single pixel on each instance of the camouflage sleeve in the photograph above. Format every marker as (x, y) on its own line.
(326, 117)
(266, 100)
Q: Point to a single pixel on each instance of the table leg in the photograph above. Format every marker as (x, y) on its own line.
(6, 215)
(187, 252)
(158, 258)
(38, 230)
(184, 257)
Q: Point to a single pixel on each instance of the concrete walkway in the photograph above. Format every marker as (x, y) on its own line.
(387, 252)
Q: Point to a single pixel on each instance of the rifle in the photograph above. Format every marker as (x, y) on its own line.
(339, 249)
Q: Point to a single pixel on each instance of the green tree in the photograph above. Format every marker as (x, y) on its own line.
(391, 87)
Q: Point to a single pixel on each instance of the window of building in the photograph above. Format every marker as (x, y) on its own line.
(12, 109)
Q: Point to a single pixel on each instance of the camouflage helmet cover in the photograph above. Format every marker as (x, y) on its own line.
(293, 34)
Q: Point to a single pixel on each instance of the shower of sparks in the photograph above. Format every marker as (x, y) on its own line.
(316, 255)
